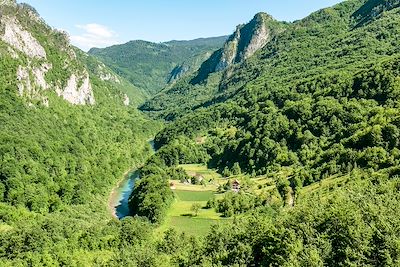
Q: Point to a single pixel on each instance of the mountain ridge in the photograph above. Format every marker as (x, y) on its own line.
(293, 151)
(244, 42)
(44, 61)
(149, 65)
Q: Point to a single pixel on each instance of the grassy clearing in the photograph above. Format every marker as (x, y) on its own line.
(192, 226)
(194, 195)
(194, 169)
(197, 188)
(5, 228)
(180, 215)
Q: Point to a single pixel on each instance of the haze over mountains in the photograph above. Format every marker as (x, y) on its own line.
(284, 135)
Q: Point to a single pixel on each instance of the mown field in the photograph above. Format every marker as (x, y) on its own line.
(180, 215)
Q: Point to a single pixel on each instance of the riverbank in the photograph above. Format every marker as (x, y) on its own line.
(119, 196)
(113, 197)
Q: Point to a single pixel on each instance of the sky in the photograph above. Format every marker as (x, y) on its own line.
(102, 23)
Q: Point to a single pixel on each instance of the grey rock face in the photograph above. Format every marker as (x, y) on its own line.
(242, 44)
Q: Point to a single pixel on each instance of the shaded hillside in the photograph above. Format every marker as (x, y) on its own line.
(373, 8)
(151, 66)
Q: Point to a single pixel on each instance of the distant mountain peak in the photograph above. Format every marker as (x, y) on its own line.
(154, 66)
(263, 16)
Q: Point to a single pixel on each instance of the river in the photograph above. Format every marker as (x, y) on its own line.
(119, 198)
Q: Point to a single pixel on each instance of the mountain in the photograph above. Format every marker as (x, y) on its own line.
(242, 44)
(288, 156)
(42, 66)
(306, 83)
(68, 132)
(151, 66)
(309, 124)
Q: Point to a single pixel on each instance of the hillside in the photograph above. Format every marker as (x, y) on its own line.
(281, 149)
(304, 94)
(56, 103)
(43, 61)
(317, 103)
(67, 135)
(151, 66)
(197, 88)
(328, 40)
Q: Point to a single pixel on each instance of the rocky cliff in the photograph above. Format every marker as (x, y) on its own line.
(242, 44)
(42, 58)
(38, 60)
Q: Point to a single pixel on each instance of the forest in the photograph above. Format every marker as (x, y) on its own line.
(315, 113)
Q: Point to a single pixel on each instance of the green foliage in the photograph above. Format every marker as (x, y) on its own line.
(349, 227)
(320, 100)
(149, 66)
(178, 174)
(48, 159)
(151, 196)
(236, 203)
(195, 208)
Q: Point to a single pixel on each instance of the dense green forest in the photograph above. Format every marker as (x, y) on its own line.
(320, 102)
(308, 104)
(152, 66)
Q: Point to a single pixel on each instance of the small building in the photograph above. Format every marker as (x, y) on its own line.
(199, 178)
(236, 186)
(172, 185)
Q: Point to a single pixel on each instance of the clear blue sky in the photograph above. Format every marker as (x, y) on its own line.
(105, 22)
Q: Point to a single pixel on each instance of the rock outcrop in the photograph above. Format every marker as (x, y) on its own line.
(105, 75)
(21, 39)
(242, 44)
(78, 94)
(8, 2)
(127, 101)
(37, 72)
(178, 72)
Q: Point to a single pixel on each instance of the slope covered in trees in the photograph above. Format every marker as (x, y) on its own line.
(66, 138)
(319, 102)
(152, 66)
(321, 97)
(195, 89)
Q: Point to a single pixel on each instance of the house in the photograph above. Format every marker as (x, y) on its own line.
(236, 186)
(199, 178)
(172, 186)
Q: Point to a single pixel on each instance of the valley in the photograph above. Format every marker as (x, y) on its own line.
(278, 145)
